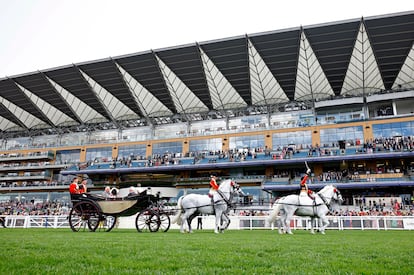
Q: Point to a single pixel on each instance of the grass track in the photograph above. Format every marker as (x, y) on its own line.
(61, 251)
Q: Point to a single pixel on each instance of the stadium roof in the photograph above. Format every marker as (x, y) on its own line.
(185, 83)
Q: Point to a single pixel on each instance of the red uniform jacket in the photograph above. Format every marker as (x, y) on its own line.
(214, 184)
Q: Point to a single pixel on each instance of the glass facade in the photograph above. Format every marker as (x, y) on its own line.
(137, 150)
(302, 140)
(212, 144)
(292, 119)
(255, 141)
(109, 136)
(16, 143)
(99, 154)
(344, 115)
(136, 134)
(352, 136)
(167, 148)
(67, 156)
(170, 130)
(393, 129)
(74, 139)
(208, 127)
(249, 122)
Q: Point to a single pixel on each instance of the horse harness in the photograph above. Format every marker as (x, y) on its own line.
(227, 201)
(314, 204)
(213, 203)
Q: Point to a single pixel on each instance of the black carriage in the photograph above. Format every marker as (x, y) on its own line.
(94, 212)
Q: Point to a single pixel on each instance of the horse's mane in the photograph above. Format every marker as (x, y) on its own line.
(327, 187)
(225, 183)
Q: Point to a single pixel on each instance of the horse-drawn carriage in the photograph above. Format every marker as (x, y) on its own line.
(94, 212)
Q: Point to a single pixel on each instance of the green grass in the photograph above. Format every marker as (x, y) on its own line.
(61, 251)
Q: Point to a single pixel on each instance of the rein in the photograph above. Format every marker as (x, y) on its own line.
(205, 205)
(228, 201)
(295, 204)
(221, 193)
(325, 202)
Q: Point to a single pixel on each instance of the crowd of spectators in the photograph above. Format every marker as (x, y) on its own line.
(32, 208)
(397, 143)
(375, 212)
(389, 144)
(54, 208)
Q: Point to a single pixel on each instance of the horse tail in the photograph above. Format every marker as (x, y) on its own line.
(177, 218)
(274, 213)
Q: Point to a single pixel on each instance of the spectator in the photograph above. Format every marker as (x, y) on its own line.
(2, 222)
(107, 192)
(132, 191)
(82, 186)
(114, 193)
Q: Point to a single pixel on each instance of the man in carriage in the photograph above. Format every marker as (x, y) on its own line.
(76, 188)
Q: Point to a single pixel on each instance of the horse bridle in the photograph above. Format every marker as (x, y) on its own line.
(336, 191)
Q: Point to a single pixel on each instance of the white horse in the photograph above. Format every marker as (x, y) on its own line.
(191, 205)
(303, 205)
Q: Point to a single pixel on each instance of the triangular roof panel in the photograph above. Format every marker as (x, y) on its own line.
(391, 40)
(280, 53)
(223, 95)
(149, 105)
(264, 86)
(333, 45)
(184, 99)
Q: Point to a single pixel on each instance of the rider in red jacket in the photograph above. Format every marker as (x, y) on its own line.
(213, 185)
(304, 187)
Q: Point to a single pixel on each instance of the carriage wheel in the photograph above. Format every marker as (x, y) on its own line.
(107, 223)
(147, 220)
(84, 214)
(164, 222)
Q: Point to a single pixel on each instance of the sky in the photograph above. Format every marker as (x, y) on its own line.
(43, 34)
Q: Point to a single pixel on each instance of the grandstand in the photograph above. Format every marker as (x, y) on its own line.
(338, 95)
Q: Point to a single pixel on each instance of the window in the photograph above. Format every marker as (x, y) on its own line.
(330, 137)
(99, 154)
(302, 139)
(167, 147)
(255, 141)
(137, 150)
(213, 144)
(393, 129)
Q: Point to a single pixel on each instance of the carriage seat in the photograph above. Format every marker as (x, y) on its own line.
(85, 196)
(135, 196)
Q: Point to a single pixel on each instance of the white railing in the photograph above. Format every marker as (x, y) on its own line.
(36, 221)
(338, 222)
(237, 222)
